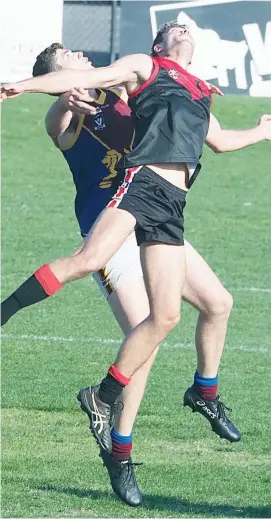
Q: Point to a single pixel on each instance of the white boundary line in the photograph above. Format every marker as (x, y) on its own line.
(251, 289)
(55, 338)
(184, 5)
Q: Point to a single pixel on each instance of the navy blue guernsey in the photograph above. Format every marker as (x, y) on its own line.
(171, 113)
(99, 143)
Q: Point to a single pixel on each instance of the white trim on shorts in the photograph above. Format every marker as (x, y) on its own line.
(123, 188)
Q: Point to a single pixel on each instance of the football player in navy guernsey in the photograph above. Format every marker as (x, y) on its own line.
(171, 112)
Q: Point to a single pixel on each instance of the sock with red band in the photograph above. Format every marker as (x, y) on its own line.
(112, 385)
(205, 387)
(121, 446)
(39, 286)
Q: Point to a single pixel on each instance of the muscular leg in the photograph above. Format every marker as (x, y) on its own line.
(164, 295)
(205, 292)
(130, 306)
(105, 238)
(164, 292)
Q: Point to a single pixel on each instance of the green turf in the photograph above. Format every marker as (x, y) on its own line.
(50, 466)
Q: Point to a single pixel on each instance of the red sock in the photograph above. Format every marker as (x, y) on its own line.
(48, 280)
(118, 375)
(112, 385)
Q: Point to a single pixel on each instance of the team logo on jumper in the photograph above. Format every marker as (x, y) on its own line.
(110, 161)
(173, 73)
(99, 123)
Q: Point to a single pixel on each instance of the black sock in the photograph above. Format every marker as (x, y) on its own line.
(110, 389)
(29, 293)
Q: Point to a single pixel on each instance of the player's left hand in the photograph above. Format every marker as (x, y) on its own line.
(265, 125)
(10, 90)
(79, 102)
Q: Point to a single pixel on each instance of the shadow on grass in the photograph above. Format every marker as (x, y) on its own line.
(169, 504)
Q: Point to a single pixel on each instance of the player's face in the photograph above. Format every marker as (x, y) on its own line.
(65, 58)
(178, 36)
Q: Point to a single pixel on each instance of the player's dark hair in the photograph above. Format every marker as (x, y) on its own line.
(46, 60)
(163, 29)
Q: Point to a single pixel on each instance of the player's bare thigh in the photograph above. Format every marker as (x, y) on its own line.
(108, 233)
(129, 302)
(202, 287)
(121, 282)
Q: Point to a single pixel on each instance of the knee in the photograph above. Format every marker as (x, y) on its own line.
(170, 321)
(221, 305)
(166, 322)
(226, 304)
(87, 264)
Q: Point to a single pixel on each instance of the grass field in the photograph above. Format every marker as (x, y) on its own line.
(50, 466)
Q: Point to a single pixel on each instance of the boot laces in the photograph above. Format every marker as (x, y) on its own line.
(221, 407)
(129, 465)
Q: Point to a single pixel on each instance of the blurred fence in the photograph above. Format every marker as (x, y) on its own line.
(92, 27)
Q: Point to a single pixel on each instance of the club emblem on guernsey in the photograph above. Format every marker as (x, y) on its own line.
(173, 73)
(99, 123)
(110, 161)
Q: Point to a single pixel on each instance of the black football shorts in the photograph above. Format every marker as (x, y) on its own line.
(156, 204)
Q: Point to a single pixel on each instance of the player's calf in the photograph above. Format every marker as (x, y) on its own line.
(46, 281)
(42, 284)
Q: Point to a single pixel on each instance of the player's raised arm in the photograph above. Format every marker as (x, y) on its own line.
(220, 140)
(68, 107)
(130, 71)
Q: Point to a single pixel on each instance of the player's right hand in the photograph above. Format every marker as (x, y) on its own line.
(265, 125)
(77, 100)
(9, 90)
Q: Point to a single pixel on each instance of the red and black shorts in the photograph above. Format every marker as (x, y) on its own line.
(156, 204)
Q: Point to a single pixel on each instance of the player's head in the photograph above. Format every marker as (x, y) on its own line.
(173, 38)
(55, 58)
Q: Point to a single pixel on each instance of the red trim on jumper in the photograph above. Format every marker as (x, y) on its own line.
(197, 87)
(118, 375)
(48, 280)
(153, 75)
(122, 108)
(123, 188)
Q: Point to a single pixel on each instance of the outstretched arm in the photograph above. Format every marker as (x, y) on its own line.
(67, 109)
(58, 117)
(127, 71)
(220, 140)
